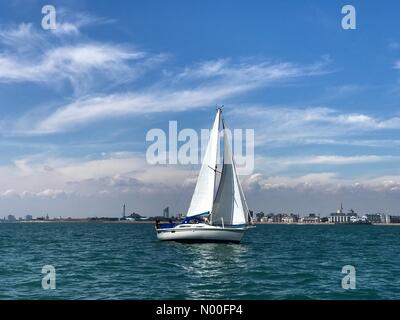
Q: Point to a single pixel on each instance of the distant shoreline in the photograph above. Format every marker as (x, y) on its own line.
(153, 222)
(325, 223)
(82, 221)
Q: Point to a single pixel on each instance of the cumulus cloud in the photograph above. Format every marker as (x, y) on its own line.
(111, 174)
(325, 182)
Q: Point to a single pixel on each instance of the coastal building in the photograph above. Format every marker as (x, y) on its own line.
(28, 217)
(287, 219)
(11, 218)
(374, 218)
(259, 216)
(394, 219)
(340, 217)
(311, 218)
(277, 218)
(290, 218)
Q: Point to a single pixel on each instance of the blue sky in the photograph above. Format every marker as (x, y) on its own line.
(76, 103)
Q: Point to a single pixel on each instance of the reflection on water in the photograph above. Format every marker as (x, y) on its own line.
(209, 268)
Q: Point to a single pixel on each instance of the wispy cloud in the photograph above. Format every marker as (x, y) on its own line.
(43, 194)
(33, 55)
(173, 95)
(250, 70)
(71, 23)
(309, 163)
(28, 54)
(283, 125)
(331, 160)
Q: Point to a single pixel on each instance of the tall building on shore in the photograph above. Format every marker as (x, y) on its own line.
(124, 211)
(166, 212)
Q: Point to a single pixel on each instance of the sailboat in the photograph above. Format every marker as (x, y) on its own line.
(221, 218)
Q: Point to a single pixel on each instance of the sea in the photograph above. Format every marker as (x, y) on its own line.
(126, 261)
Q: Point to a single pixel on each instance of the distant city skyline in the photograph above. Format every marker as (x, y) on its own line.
(78, 101)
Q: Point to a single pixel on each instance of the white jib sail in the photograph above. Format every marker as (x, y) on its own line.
(203, 196)
(230, 205)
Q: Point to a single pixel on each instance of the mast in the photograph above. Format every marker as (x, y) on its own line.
(219, 109)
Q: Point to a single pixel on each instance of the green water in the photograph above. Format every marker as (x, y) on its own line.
(126, 261)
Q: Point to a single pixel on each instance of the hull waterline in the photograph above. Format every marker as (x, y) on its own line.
(201, 234)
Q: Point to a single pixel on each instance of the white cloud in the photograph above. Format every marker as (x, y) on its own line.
(66, 28)
(278, 126)
(43, 194)
(330, 160)
(251, 71)
(41, 176)
(38, 56)
(127, 172)
(323, 115)
(102, 107)
(31, 55)
(9, 193)
(283, 165)
(325, 182)
(126, 175)
(237, 79)
(69, 23)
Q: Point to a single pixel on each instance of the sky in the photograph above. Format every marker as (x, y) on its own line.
(77, 102)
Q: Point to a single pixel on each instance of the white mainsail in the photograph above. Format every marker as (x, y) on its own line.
(203, 196)
(230, 206)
